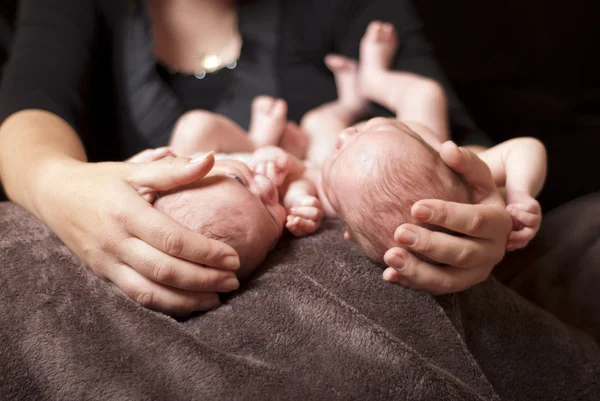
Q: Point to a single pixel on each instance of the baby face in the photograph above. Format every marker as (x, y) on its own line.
(359, 155)
(234, 204)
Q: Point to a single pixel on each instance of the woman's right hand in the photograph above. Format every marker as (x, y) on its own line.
(103, 212)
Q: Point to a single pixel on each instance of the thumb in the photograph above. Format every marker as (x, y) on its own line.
(469, 166)
(167, 174)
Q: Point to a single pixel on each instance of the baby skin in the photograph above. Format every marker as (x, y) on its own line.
(234, 203)
(380, 168)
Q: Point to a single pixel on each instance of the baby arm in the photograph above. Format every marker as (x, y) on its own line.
(298, 190)
(305, 210)
(519, 165)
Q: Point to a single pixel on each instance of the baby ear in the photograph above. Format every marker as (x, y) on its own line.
(347, 235)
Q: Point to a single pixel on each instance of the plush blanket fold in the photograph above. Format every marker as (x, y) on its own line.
(317, 323)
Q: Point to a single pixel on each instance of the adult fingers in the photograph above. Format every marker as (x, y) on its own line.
(172, 238)
(159, 297)
(472, 169)
(481, 221)
(170, 173)
(165, 269)
(424, 276)
(445, 248)
(150, 155)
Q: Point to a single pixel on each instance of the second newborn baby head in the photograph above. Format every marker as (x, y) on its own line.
(231, 204)
(375, 176)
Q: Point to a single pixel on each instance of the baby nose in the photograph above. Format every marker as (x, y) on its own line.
(345, 136)
(267, 191)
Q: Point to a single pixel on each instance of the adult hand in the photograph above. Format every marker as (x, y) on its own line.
(104, 213)
(463, 260)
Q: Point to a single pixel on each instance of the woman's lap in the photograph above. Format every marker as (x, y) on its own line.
(560, 269)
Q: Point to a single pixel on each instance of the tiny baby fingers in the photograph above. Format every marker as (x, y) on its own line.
(309, 200)
(299, 226)
(524, 235)
(261, 168)
(307, 212)
(524, 217)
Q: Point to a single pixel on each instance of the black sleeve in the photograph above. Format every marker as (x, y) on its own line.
(50, 57)
(415, 54)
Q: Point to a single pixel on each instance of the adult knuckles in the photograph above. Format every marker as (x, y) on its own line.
(172, 243)
(476, 223)
(466, 256)
(206, 252)
(163, 273)
(146, 298)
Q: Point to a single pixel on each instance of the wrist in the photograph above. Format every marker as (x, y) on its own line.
(46, 181)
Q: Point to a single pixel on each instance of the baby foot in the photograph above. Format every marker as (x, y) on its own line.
(377, 50)
(268, 120)
(272, 162)
(304, 215)
(378, 47)
(345, 72)
(294, 140)
(526, 214)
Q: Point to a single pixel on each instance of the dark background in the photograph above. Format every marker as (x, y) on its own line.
(522, 68)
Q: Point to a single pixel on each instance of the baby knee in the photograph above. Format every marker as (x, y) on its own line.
(313, 120)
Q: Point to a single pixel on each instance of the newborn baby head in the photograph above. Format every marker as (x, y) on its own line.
(231, 204)
(376, 174)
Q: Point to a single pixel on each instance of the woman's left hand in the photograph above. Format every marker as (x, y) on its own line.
(459, 262)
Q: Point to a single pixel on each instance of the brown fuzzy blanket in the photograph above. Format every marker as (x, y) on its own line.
(317, 323)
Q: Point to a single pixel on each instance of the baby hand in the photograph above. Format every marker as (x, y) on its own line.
(272, 162)
(526, 214)
(304, 215)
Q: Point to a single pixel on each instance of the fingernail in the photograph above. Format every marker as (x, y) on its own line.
(422, 212)
(231, 262)
(201, 159)
(388, 274)
(406, 236)
(231, 284)
(396, 262)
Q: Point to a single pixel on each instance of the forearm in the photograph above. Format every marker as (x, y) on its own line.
(518, 164)
(526, 165)
(31, 143)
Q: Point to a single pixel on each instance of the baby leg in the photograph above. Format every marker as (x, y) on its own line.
(378, 48)
(294, 140)
(202, 131)
(268, 121)
(325, 122)
(412, 97)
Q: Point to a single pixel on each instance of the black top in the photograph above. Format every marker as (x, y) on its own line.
(90, 62)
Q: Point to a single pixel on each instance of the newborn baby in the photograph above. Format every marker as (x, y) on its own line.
(234, 205)
(376, 175)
